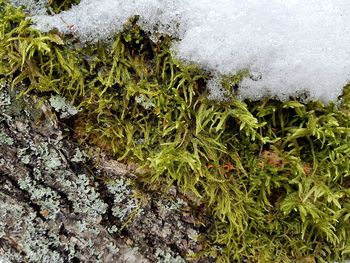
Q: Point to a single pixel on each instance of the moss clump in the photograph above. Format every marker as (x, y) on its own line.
(273, 175)
(60, 5)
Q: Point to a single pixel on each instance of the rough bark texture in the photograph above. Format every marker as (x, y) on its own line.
(58, 204)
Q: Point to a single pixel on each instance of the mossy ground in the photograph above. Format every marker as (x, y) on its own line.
(273, 175)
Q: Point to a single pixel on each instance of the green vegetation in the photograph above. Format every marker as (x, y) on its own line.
(273, 175)
(57, 6)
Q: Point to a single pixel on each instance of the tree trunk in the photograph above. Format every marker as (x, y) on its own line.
(58, 204)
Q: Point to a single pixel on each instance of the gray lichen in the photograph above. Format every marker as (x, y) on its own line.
(5, 139)
(144, 102)
(79, 156)
(124, 202)
(61, 105)
(27, 232)
(41, 196)
(167, 256)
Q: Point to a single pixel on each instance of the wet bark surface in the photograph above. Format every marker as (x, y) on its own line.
(62, 202)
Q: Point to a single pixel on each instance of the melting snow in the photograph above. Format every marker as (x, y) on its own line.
(296, 46)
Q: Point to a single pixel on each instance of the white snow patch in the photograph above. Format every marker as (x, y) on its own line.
(35, 7)
(297, 46)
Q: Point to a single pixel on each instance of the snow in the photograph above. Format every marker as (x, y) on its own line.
(37, 7)
(298, 47)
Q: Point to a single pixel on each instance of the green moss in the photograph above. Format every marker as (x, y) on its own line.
(61, 5)
(273, 175)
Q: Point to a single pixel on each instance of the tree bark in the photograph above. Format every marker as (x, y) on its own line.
(58, 204)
